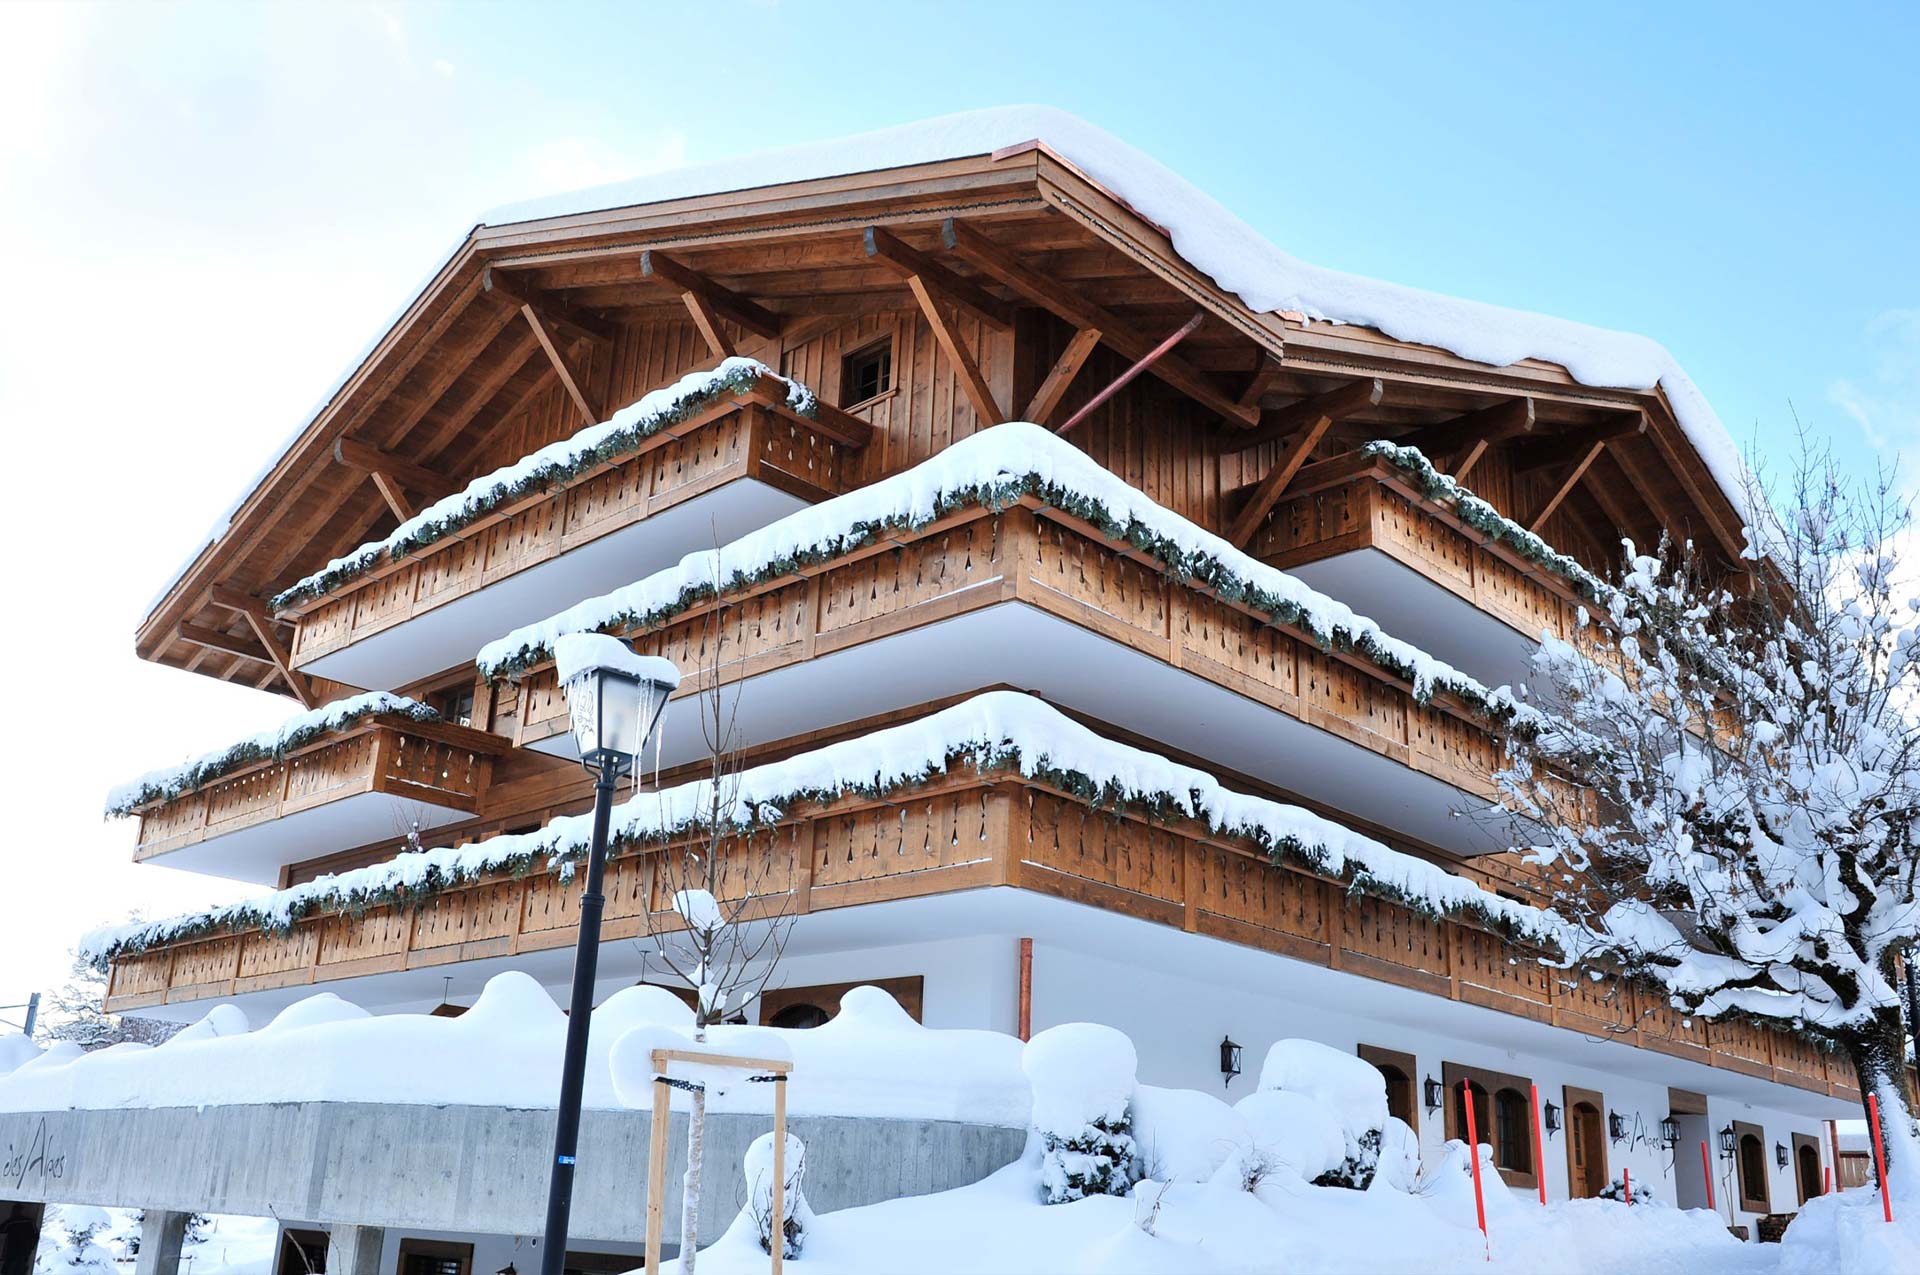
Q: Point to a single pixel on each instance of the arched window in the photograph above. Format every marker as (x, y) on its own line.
(799, 1014)
(1513, 1140)
(1399, 1093)
(1753, 1173)
(1482, 1113)
(1807, 1162)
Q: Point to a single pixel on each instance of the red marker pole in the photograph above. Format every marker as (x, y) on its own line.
(1539, 1173)
(1826, 1187)
(1706, 1171)
(1473, 1158)
(1628, 1174)
(1879, 1156)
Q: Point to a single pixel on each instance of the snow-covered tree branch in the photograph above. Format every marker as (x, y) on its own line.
(1730, 795)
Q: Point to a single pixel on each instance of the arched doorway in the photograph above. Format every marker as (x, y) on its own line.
(1586, 1150)
(1751, 1162)
(1806, 1163)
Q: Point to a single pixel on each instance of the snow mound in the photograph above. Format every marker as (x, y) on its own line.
(221, 1020)
(16, 1051)
(1346, 1087)
(313, 1011)
(1081, 1073)
(1293, 1132)
(1847, 1231)
(1185, 1135)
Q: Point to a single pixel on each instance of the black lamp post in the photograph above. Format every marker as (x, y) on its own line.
(615, 699)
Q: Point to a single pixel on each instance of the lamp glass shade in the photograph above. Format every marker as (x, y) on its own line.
(614, 714)
(1726, 1140)
(1670, 1131)
(1229, 1057)
(1550, 1114)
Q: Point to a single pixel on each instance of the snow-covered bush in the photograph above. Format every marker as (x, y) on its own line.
(1399, 1168)
(796, 1216)
(1292, 1131)
(1617, 1190)
(1349, 1089)
(78, 1252)
(1184, 1135)
(1083, 1083)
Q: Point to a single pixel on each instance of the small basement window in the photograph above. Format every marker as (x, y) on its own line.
(867, 373)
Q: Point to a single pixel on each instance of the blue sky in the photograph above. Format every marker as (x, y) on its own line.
(212, 208)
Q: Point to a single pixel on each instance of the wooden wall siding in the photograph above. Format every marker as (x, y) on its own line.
(962, 832)
(438, 764)
(977, 559)
(1374, 510)
(745, 443)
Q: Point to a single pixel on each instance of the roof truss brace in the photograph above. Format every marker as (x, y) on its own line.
(910, 263)
(978, 392)
(547, 317)
(1047, 398)
(1262, 380)
(1568, 481)
(1316, 417)
(391, 474)
(707, 319)
(1546, 453)
(750, 315)
(1037, 288)
(1468, 437)
(254, 612)
(557, 313)
(1336, 404)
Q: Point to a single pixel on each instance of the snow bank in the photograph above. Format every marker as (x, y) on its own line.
(995, 467)
(16, 1051)
(296, 732)
(1216, 242)
(1349, 1089)
(1185, 1135)
(993, 729)
(553, 465)
(1847, 1231)
(870, 1060)
(1291, 1131)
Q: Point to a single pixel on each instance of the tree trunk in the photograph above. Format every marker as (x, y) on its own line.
(690, 1186)
(1879, 1054)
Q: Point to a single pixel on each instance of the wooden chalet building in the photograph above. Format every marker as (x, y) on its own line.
(924, 286)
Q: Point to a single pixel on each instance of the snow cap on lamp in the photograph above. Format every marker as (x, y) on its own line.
(614, 696)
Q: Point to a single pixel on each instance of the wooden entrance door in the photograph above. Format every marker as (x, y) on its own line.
(1587, 1156)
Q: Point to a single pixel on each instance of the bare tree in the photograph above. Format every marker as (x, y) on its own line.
(1730, 792)
(731, 907)
(76, 1012)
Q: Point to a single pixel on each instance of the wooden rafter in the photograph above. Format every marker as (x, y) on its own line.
(1608, 492)
(1562, 449)
(1568, 481)
(909, 262)
(254, 612)
(384, 465)
(515, 292)
(224, 642)
(1261, 381)
(978, 392)
(1336, 404)
(707, 319)
(750, 315)
(1470, 434)
(572, 379)
(1002, 264)
(1674, 522)
(1315, 422)
(1047, 398)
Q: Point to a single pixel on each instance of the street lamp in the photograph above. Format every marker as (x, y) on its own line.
(615, 699)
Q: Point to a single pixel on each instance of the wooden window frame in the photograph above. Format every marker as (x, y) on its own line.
(883, 344)
(1742, 1130)
(1451, 1074)
(1806, 1140)
(1570, 1097)
(414, 1246)
(908, 989)
(1406, 1064)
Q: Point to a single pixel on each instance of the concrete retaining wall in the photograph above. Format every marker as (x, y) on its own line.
(478, 1169)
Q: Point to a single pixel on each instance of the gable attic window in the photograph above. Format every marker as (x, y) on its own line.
(866, 373)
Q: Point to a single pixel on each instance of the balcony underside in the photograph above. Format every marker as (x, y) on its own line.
(367, 784)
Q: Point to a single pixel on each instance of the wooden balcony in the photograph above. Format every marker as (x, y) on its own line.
(714, 477)
(965, 832)
(1033, 598)
(1360, 530)
(367, 783)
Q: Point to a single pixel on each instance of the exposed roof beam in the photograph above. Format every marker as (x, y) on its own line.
(908, 262)
(1489, 425)
(978, 392)
(1546, 453)
(1292, 455)
(228, 643)
(1335, 404)
(369, 459)
(707, 319)
(750, 315)
(254, 612)
(1262, 380)
(513, 290)
(1568, 481)
(1047, 398)
(1042, 291)
(572, 379)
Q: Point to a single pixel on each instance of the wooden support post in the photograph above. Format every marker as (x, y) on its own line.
(1463, 434)
(1026, 989)
(1335, 405)
(1469, 459)
(979, 394)
(1568, 481)
(391, 492)
(1047, 398)
(777, 1239)
(657, 1170)
(1325, 410)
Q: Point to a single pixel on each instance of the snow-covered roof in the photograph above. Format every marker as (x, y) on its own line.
(1208, 236)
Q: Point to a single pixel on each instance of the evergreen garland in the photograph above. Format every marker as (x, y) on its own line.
(485, 495)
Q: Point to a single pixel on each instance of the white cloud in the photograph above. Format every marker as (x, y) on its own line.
(1885, 401)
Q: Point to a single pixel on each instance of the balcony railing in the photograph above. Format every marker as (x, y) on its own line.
(1365, 502)
(965, 831)
(371, 781)
(721, 473)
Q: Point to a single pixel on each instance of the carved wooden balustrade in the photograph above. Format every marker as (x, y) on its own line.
(1034, 554)
(733, 441)
(960, 832)
(437, 763)
(1363, 502)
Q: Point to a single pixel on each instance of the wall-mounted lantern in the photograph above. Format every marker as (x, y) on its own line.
(1550, 1115)
(1669, 1133)
(1616, 1126)
(1433, 1093)
(1780, 1154)
(1230, 1055)
(1726, 1143)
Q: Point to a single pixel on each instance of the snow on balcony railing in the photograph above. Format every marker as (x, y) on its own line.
(996, 467)
(273, 744)
(551, 466)
(999, 728)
